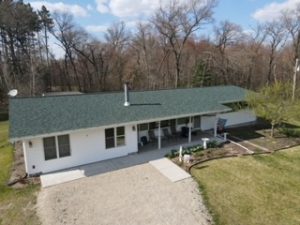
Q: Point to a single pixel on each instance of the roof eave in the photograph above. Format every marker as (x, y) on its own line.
(23, 138)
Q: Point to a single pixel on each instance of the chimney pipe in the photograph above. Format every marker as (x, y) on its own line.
(126, 94)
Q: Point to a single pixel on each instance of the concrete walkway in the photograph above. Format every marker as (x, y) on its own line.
(101, 167)
(166, 167)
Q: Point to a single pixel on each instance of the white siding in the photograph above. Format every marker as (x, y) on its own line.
(233, 119)
(239, 117)
(208, 122)
(86, 147)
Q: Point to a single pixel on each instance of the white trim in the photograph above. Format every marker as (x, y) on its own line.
(159, 135)
(25, 156)
(216, 126)
(190, 129)
(114, 125)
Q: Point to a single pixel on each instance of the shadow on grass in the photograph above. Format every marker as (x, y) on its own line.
(201, 167)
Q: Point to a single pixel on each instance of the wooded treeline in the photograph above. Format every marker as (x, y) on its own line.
(168, 51)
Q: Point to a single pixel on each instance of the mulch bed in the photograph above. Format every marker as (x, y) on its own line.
(228, 150)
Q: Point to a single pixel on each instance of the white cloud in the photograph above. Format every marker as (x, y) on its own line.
(74, 9)
(130, 8)
(102, 6)
(89, 7)
(274, 10)
(96, 28)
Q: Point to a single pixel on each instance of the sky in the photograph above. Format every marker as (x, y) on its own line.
(95, 16)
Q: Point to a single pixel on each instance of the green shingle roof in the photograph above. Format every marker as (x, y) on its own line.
(45, 115)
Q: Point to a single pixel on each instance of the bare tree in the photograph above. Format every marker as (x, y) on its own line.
(177, 21)
(117, 39)
(291, 20)
(275, 38)
(70, 37)
(226, 34)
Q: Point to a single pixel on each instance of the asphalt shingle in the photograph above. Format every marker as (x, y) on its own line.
(34, 116)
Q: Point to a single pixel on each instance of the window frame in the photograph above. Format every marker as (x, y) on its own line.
(186, 121)
(57, 149)
(115, 137)
(64, 145)
(143, 124)
(46, 148)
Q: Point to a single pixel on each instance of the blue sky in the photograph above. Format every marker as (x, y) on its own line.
(96, 16)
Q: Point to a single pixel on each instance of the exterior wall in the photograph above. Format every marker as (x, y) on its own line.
(240, 117)
(86, 147)
(208, 122)
(233, 119)
(145, 132)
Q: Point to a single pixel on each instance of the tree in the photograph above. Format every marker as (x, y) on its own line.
(178, 21)
(275, 36)
(226, 34)
(291, 21)
(274, 104)
(202, 76)
(48, 25)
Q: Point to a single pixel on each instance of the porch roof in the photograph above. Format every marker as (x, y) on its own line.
(34, 116)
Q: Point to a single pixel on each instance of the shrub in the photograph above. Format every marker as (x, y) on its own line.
(290, 132)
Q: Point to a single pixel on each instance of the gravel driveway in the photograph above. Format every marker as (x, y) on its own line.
(137, 195)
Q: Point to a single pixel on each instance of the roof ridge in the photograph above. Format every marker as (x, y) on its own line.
(117, 92)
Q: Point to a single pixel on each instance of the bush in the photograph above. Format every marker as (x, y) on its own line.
(3, 116)
(174, 153)
(290, 132)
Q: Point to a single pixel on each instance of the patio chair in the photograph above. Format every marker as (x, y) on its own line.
(152, 136)
(174, 132)
(167, 133)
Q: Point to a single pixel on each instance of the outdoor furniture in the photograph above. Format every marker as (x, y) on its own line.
(174, 132)
(184, 132)
(221, 125)
(167, 133)
(152, 136)
(144, 140)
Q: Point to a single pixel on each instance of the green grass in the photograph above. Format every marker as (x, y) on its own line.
(16, 206)
(252, 190)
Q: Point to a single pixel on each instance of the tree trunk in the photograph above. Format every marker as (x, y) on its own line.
(272, 129)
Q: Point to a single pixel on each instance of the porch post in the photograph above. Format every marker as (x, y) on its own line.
(159, 136)
(190, 129)
(216, 126)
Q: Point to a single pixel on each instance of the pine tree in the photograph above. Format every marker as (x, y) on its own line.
(202, 76)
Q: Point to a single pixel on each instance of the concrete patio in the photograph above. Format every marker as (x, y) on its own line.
(144, 156)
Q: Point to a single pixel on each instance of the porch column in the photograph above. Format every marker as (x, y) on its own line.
(159, 136)
(216, 126)
(190, 129)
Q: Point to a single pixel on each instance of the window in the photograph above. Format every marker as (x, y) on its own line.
(184, 120)
(114, 137)
(120, 136)
(143, 126)
(197, 121)
(153, 125)
(50, 148)
(164, 123)
(55, 147)
(110, 138)
(64, 145)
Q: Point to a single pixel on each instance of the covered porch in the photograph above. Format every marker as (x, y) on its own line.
(183, 131)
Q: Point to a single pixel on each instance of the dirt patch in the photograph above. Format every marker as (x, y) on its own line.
(19, 178)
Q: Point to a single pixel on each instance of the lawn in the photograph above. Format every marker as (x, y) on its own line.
(248, 190)
(17, 206)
